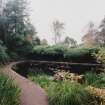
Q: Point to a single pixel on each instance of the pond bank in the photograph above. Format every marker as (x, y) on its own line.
(37, 63)
(30, 91)
(69, 66)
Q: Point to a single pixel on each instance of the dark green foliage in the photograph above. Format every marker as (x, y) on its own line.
(3, 28)
(94, 79)
(16, 30)
(51, 53)
(4, 58)
(9, 93)
(20, 46)
(70, 42)
(80, 54)
(24, 48)
(63, 54)
(13, 56)
(36, 41)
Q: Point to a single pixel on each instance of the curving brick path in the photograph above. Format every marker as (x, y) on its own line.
(31, 94)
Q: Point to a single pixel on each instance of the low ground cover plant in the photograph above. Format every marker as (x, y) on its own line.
(42, 79)
(94, 79)
(9, 93)
(67, 93)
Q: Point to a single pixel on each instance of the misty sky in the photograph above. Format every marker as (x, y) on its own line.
(76, 14)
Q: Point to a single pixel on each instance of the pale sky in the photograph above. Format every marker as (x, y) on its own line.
(76, 14)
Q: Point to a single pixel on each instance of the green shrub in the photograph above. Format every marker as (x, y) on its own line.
(94, 79)
(60, 53)
(40, 77)
(9, 93)
(67, 93)
(43, 80)
(100, 56)
(4, 58)
(13, 56)
(47, 52)
(19, 46)
(24, 48)
(80, 54)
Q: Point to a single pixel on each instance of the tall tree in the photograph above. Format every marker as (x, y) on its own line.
(36, 41)
(16, 29)
(17, 16)
(89, 39)
(70, 42)
(2, 4)
(17, 20)
(44, 42)
(102, 32)
(58, 28)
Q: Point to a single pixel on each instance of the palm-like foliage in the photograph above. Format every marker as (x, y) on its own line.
(9, 93)
(67, 93)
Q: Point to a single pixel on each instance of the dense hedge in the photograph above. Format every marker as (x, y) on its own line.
(63, 54)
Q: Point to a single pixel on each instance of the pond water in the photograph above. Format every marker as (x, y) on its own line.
(50, 67)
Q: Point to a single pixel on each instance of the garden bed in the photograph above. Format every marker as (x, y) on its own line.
(63, 91)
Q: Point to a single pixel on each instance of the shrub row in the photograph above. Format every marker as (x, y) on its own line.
(63, 54)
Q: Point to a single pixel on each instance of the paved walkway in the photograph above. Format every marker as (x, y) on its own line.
(31, 94)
